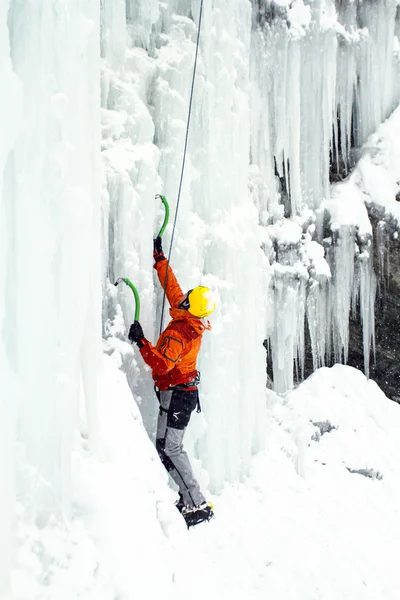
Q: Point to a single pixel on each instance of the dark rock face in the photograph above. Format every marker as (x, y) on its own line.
(385, 368)
(384, 365)
(370, 473)
(265, 11)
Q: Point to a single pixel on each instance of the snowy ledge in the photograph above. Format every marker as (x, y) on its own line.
(374, 185)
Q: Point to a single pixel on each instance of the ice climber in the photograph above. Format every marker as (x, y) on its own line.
(173, 363)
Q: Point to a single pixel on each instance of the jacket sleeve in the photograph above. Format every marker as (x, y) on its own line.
(169, 283)
(163, 360)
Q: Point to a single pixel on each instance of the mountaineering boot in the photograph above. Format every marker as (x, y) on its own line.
(180, 505)
(198, 514)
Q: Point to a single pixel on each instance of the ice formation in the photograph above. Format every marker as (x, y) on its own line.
(218, 238)
(284, 98)
(286, 94)
(50, 306)
(315, 68)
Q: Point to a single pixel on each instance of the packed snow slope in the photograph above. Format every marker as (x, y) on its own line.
(316, 518)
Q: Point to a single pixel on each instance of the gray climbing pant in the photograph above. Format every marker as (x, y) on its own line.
(176, 406)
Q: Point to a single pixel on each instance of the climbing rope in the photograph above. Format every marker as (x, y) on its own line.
(183, 163)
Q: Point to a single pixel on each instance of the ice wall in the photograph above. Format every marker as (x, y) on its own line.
(49, 265)
(218, 237)
(316, 70)
(10, 105)
(285, 95)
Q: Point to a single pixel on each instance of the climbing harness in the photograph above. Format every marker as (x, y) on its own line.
(190, 386)
(183, 161)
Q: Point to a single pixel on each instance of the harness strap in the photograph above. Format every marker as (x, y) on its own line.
(158, 394)
(178, 387)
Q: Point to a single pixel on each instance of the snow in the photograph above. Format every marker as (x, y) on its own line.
(317, 516)
(299, 16)
(347, 208)
(373, 182)
(211, 298)
(377, 169)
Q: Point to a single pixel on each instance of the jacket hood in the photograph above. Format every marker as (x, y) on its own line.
(198, 325)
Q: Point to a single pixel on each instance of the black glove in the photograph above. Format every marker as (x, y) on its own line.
(136, 334)
(158, 253)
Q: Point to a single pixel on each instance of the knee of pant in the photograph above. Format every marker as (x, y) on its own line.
(163, 455)
(173, 441)
(172, 447)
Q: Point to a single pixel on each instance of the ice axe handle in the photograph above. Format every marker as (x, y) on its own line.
(135, 293)
(166, 218)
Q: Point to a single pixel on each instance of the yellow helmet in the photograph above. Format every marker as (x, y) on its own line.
(201, 303)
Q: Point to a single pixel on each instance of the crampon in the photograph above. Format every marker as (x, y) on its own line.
(198, 514)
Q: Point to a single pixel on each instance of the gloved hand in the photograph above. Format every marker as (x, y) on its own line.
(158, 253)
(136, 334)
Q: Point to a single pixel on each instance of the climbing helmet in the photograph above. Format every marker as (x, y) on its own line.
(199, 302)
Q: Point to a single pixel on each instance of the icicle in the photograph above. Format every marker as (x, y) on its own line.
(341, 260)
(296, 91)
(346, 80)
(382, 246)
(287, 336)
(261, 127)
(113, 33)
(375, 65)
(142, 15)
(318, 320)
(367, 303)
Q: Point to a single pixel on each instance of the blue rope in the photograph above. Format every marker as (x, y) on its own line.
(183, 162)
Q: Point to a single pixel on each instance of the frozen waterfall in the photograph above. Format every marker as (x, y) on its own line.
(281, 179)
(284, 99)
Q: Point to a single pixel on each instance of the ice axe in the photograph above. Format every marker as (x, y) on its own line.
(166, 218)
(135, 293)
(127, 281)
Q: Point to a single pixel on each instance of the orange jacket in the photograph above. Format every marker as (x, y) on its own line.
(173, 359)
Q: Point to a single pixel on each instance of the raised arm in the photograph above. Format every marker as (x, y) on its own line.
(169, 282)
(166, 275)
